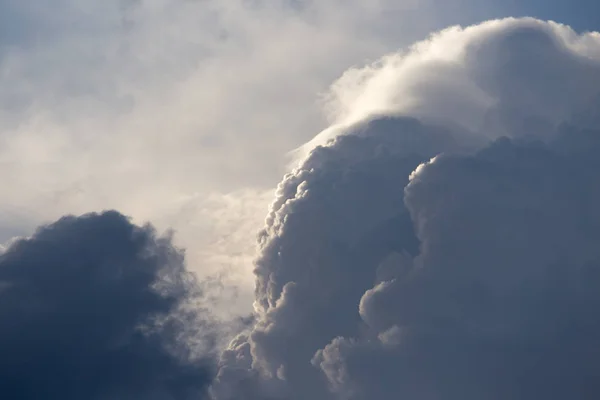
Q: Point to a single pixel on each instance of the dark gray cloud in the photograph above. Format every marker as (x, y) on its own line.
(94, 307)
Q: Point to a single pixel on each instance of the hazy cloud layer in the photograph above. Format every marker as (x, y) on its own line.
(94, 307)
(474, 280)
(178, 112)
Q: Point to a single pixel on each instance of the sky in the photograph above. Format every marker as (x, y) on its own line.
(325, 200)
(582, 15)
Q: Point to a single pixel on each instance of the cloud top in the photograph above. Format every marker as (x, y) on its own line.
(499, 78)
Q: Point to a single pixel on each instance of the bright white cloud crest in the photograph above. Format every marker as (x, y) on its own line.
(468, 76)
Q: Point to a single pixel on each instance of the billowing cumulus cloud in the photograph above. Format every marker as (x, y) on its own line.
(443, 245)
(332, 224)
(94, 307)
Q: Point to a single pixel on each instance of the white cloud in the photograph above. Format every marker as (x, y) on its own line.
(477, 78)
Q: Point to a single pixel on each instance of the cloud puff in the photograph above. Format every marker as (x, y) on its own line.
(94, 307)
(474, 280)
(334, 220)
(502, 301)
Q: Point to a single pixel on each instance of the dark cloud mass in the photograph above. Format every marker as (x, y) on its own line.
(91, 307)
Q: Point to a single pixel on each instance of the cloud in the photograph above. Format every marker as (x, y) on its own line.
(441, 245)
(500, 78)
(95, 307)
(319, 256)
(502, 300)
(140, 105)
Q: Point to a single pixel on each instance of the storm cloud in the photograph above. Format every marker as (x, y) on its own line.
(94, 307)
